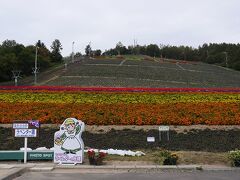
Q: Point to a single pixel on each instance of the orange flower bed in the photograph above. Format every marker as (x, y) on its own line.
(209, 113)
(121, 106)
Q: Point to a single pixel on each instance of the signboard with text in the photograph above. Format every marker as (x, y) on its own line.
(164, 128)
(68, 143)
(25, 132)
(40, 155)
(150, 139)
(27, 129)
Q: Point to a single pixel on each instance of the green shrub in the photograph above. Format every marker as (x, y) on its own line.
(165, 157)
(234, 156)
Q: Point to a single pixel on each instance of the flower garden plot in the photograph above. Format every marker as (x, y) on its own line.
(125, 114)
(146, 74)
(91, 70)
(103, 61)
(194, 140)
(121, 108)
(8, 89)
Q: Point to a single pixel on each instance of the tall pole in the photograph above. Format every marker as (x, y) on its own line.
(73, 51)
(136, 46)
(226, 58)
(16, 75)
(15, 81)
(35, 67)
(90, 49)
(25, 150)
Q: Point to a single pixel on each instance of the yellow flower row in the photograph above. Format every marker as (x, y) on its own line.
(112, 98)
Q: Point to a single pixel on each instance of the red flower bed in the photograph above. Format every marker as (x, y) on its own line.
(114, 89)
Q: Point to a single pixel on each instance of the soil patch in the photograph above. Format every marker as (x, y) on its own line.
(192, 140)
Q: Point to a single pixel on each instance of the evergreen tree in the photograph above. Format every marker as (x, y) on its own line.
(56, 51)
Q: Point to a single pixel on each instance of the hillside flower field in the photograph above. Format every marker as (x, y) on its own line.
(112, 106)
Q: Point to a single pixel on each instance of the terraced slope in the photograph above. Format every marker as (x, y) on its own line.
(145, 73)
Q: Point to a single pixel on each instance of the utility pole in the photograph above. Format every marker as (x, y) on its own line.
(65, 64)
(226, 58)
(133, 49)
(73, 51)
(90, 50)
(135, 46)
(35, 69)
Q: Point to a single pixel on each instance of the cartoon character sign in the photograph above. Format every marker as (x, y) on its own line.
(68, 144)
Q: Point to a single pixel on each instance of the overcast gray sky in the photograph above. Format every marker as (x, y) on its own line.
(106, 22)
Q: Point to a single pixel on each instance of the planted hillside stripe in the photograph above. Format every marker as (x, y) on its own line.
(105, 106)
(112, 98)
(210, 113)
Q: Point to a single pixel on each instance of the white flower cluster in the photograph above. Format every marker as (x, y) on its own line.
(108, 151)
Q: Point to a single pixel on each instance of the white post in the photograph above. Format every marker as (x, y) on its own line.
(15, 81)
(73, 51)
(35, 67)
(25, 150)
(226, 59)
(160, 136)
(90, 49)
(65, 65)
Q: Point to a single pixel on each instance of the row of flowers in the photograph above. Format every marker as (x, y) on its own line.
(112, 98)
(210, 113)
(115, 89)
(130, 106)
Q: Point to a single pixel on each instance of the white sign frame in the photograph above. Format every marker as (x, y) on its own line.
(68, 144)
(27, 133)
(26, 129)
(164, 129)
(20, 126)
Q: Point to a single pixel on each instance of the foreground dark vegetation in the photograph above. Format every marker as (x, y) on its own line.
(194, 140)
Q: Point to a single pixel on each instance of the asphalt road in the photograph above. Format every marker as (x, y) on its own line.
(162, 175)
